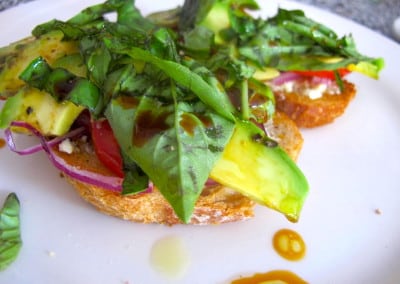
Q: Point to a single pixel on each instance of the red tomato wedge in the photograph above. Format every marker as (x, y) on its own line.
(329, 74)
(106, 146)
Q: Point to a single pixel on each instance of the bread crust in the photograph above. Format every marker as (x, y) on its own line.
(308, 113)
(217, 204)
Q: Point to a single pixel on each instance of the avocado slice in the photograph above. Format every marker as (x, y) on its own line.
(255, 166)
(31, 105)
(217, 19)
(17, 56)
(40, 110)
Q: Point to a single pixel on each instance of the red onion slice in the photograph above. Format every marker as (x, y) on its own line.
(285, 77)
(38, 147)
(106, 182)
(211, 182)
(322, 80)
(293, 76)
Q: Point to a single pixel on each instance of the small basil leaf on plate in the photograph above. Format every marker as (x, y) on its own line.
(10, 234)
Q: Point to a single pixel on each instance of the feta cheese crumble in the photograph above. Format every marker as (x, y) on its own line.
(66, 146)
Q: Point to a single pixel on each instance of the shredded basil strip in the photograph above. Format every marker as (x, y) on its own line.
(291, 41)
(10, 234)
(135, 180)
(63, 85)
(208, 93)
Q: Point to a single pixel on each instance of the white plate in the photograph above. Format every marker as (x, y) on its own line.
(353, 167)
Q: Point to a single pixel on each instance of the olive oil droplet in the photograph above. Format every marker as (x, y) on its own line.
(169, 257)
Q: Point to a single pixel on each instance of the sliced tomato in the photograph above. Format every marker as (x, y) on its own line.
(329, 74)
(106, 146)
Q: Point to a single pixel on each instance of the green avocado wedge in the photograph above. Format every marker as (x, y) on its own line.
(15, 58)
(40, 110)
(273, 180)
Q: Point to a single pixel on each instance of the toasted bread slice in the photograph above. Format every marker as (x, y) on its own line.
(308, 113)
(217, 204)
(285, 131)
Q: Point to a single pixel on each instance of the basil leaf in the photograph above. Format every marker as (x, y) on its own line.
(178, 150)
(163, 46)
(175, 143)
(291, 41)
(97, 59)
(95, 12)
(36, 73)
(241, 25)
(207, 92)
(91, 21)
(167, 18)
(10, 235)
(198, 41)
(135, 180)
(86, 94)
(194, 11)
(129, 15)
(63, 85)
(70, 32)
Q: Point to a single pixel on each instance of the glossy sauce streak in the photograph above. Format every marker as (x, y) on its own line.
(207, 122)
(2, 143)
(147, 126)
(63, 88)
(169, 257)
(188, 123)
(257, 100)
(128, 102)
(289, 244)
(272, 277)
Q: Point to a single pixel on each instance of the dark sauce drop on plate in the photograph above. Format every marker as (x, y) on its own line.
(289, 244)
(274, 276)
(2, 143)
